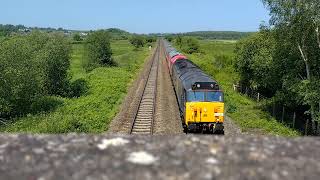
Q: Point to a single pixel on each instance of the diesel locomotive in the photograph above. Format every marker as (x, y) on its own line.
(200, 98)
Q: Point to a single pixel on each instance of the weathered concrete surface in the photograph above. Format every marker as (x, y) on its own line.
(157, 157)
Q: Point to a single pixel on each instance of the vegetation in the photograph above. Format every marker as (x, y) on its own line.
(118, 34)
(98, 50)
(6, 30)
(77, 37)
(138, 41)
(217, 58)
(31, 68)
(188, 44)
(93, 111)
(282, 61)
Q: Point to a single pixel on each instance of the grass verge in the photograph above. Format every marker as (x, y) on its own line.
(92, 112)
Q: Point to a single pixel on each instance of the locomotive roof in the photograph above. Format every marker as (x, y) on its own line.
(189, 74)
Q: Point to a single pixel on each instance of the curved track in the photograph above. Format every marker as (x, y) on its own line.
(143, 120)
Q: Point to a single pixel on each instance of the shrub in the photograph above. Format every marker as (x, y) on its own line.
(191, 45)
(20, 77)
(78, 88)
(31, 67)
(56, 60)
(76, 37)
(137, 41)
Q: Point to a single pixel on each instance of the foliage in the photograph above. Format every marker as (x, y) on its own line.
(93, 111)
(188, 44)
(76, 37)
(283, 61)
(6, 30)
(98, 50)
(55, 56)
(138, 41)
(254, 62)
(169, 38)
(118, 34)
(151, 39)
(31, 67)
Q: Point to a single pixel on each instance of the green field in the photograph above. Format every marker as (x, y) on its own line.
(92, 112)
(216, 58)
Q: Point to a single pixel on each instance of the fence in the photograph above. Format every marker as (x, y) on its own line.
(294, 118)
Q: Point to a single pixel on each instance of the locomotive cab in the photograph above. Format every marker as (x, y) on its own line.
(204, 110)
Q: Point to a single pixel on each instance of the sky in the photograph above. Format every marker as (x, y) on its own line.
(138, 16)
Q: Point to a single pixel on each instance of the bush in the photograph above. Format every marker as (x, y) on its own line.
(98, 50)
(45, 104)
(191, 45)
(78, 88)
(31, 67)
(56, 59)
(151, 39)
(76, 37)
(137, 41)
(20, 77)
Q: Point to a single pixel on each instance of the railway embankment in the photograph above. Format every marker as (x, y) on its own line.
(158, 157)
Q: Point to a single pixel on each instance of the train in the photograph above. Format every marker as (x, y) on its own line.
(200, 98)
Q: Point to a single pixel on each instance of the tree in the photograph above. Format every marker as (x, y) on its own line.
(20, 77)
(296, 24)
(137, 41)
(77, 37)
(56, 58)
(32, 67)
(179, 41)
(190, 45)
(99, 50)
(255, 63)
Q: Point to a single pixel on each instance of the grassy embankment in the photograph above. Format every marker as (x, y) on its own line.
(216, 58)
(92, 112)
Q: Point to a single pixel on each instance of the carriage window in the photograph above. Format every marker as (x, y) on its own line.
(195, 96)
(214, 96)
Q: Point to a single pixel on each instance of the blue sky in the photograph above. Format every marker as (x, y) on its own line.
(140, 16)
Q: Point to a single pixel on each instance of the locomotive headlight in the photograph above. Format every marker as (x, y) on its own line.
(198, 85)
(205, 110)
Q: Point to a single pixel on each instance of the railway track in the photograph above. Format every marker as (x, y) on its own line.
(143, 120)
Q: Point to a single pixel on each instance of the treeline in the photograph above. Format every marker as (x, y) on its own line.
(218, 35)
(282, 61)
(6, 30)
(139, 41)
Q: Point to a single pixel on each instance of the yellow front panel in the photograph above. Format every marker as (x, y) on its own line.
(205, 112)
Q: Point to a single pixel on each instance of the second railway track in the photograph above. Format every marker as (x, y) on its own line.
(143, 120)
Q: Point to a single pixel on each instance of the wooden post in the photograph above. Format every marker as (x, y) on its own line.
(282, 118)
(306, 130)
(294, 120)
(258, 97)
